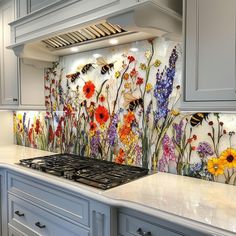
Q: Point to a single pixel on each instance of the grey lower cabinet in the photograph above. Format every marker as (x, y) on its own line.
(131, 225)
(37, 208)
(210, 55)
(134, 223)
(31, 207)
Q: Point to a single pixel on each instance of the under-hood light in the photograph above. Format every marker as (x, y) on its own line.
(113, 41)
(96, 55)
(134, 49)
(74, 49)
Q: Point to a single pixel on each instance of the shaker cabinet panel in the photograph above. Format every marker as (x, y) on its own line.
(32, 74)
(132, 226)
(34, 5)
(210, 52)
(8, 61)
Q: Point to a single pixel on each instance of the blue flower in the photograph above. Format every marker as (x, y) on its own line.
(164, 87)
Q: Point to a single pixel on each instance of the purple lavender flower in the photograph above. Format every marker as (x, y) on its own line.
(178, 131)
(23, 122)
(112, 130)
(95, 144)
(204, 149)
(164, 87)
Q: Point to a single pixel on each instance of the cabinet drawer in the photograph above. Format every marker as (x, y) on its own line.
(129, 226)
(13, 231)
(26, 215)
(65, 204)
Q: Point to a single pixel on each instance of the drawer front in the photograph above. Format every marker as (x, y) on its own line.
(13, 231)
(131, 226)
(39, 220)
(70, 206)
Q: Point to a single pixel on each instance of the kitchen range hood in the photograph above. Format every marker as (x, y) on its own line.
(49, 33)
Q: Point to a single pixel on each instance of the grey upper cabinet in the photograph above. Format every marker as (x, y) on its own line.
(210, 55)
(25, 7)
(34, 5)
(8, 61)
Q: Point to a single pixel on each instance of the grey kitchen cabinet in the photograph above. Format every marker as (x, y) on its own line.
(25, 7)
(32, 73)
(134, 223)
(210, 55)
(8, 61)
(131, 226)
(15, 232)
(38, 208)
(24, 214)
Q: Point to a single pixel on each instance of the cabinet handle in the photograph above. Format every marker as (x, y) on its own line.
(15, 99)
(143, 233)
(19, 214)
(38, 224)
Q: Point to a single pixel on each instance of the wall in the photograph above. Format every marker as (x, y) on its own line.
(6, 127)
(128, 113)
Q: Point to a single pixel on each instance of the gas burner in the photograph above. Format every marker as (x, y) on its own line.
(96, 173)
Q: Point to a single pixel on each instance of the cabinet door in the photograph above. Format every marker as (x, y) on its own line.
(32, 74)
(35, 5)
(8, 61)
(210, 46)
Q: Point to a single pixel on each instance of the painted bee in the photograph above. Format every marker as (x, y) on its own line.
(197, 118)
(86, 68)
(73, 76)
(131, 102)
(106, 67)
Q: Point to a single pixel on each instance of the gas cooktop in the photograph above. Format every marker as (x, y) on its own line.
(97, 173)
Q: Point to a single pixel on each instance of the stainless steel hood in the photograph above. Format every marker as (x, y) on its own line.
(49, 33)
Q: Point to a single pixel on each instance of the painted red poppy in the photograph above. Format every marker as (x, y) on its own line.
(89, 89)
(101, 114)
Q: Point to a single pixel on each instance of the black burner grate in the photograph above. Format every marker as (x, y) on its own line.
(97, 173)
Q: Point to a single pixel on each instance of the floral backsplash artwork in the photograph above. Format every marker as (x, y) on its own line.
(120, 104)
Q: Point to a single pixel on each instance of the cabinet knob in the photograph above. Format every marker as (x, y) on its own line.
(19, 214)
(15, 99)
(143, 233)
(38, 224)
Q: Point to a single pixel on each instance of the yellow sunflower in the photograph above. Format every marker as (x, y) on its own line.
(229, 157)
(215, 166)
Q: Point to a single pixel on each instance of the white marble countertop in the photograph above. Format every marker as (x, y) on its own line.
(179, 199)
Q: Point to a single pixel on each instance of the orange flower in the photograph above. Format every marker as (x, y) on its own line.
(124, 131)
(89, 89)
(126, 76)
(93, 126)
(102, 98)
(129, 117)
(101, 115)
(120, 157)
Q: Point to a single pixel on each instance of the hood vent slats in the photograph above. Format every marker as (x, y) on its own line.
(91, 32)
